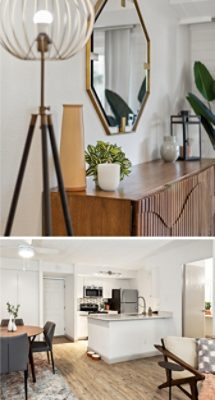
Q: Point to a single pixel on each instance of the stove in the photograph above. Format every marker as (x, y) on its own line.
(90, 307)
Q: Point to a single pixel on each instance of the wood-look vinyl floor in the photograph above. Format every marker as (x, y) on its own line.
(96, 380)
(61, 340)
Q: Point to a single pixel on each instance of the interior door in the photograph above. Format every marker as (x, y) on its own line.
(194, 299)
(53, 303)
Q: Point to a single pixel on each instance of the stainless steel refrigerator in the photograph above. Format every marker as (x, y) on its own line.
(125, 300)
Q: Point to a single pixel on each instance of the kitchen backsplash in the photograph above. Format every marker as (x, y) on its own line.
(92, 300)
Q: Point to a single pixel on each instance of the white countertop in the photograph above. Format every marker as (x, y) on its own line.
(129, 317)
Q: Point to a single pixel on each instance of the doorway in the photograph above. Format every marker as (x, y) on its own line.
(198, 298)
(54, 303)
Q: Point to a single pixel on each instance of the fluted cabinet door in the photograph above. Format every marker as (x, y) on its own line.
(206, 181)
(184, 208)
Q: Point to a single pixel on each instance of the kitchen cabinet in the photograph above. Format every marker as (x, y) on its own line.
(82, 325)
(157, 199)
(121, 337)
(107, 284)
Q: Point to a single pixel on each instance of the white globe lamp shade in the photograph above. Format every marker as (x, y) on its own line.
(68, 24)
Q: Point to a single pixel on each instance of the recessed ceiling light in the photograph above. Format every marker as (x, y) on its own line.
(26, 251)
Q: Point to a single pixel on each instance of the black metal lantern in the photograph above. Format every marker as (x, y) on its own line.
(187, 129)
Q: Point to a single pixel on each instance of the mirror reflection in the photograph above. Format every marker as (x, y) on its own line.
(120, 64)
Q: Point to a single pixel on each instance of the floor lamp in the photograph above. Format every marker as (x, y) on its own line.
(44, 30)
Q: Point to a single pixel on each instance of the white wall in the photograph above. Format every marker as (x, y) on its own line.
(160, 280)
(203, 49)
(66, 84)
(22, 283)
(70, 308)
(20, 287)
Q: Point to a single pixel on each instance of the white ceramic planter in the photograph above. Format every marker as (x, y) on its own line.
(10, 325)
(108, 176)
(169, 149)
(14, 326)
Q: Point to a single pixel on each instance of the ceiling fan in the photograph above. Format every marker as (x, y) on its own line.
(26, 248)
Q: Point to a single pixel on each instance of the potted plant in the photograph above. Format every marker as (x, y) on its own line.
(208, 308)
(13, 312)
(108, 164)
(205, 84)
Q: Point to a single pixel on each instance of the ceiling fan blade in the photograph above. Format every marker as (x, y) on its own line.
(45, 250)
(28, 241)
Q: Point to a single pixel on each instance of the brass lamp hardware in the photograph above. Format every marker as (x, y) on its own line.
(147, 66)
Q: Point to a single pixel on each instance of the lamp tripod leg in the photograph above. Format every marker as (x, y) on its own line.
(20, 176)
(47, 225)
(63, 197)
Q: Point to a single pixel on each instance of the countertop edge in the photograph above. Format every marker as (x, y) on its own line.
(127, 317)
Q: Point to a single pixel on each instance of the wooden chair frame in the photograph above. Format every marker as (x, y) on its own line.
(191, 380)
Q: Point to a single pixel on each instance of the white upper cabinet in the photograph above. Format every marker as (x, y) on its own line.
(107, 284)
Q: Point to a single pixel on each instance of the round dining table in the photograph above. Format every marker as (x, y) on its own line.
(32, 332)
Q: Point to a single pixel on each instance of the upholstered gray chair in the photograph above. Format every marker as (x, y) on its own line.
(14, 356)
(46, 345)
(18, 322)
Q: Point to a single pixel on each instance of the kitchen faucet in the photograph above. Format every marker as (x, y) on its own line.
(144, 304)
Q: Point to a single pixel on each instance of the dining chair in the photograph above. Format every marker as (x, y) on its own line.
(46, 344)
(14, 356)
(18, 322)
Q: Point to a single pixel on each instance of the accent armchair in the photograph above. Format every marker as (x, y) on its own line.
(183, 352)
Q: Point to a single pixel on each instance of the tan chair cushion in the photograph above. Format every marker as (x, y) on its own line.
(184, 348)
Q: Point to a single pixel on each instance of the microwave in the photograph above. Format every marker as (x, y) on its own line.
(93, 291)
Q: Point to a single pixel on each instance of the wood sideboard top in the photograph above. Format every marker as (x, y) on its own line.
(147, 178)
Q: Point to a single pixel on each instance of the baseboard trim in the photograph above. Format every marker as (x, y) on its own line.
(131, 357)
(69, 338)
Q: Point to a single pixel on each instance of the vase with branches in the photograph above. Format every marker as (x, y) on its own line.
(13, 312)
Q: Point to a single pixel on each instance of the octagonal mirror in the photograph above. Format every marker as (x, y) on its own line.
(118, 65)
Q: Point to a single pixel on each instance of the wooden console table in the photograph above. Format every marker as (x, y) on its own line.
(157, 199)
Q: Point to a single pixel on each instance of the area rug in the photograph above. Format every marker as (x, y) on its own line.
(47, 387)
(208, 388)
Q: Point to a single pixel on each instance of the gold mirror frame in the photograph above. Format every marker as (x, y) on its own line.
(147, 66)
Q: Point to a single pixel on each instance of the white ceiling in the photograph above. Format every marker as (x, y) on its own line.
(127, 254)
(194, 8)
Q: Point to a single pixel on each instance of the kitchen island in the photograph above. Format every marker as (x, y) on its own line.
(125, 337)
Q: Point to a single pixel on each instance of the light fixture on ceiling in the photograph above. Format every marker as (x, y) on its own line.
(26, 251)
(44, 30)
(109, 274)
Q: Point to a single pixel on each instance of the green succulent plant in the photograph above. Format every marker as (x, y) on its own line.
(104, 153)
(207, 305)
(205, 84)
(13, 310)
